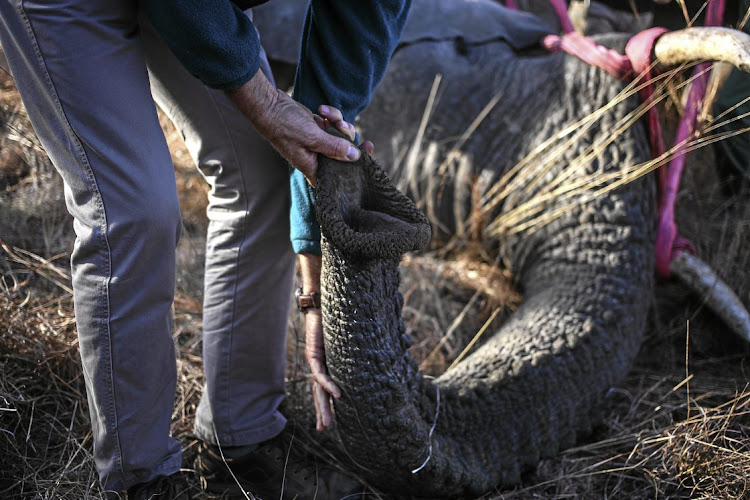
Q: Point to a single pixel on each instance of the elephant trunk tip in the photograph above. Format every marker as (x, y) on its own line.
(363, 214)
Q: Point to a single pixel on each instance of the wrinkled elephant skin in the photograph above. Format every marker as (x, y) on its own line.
(533, 388)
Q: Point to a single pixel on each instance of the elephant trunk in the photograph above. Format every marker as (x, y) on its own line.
(526, 393)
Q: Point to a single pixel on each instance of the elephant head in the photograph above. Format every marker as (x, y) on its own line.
(531, 389)
(558, 147)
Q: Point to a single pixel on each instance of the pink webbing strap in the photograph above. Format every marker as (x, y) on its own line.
(590, 52)
(638, 51)
(668, 243)
(637, 61)
(561, 9)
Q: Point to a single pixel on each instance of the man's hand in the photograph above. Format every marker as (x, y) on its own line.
(332, 117)
(299, 136)
(292, 129)
(323, 387)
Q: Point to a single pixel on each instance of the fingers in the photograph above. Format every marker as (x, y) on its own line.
(300, 141)
(323, 386)
(323, 410)
(320, 376)
(324, 416)
(307, 164)
(331, 113)
(334, 117)
(322, 123)
(330, 116)
(327, 384)
(335, 147)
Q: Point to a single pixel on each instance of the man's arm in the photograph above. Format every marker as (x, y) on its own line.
(219, 45)
(214, 40)
(346, 47)
(314, 351)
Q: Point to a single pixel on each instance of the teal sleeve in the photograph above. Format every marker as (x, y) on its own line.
(214, 40)
(303, 226)
(345, 51)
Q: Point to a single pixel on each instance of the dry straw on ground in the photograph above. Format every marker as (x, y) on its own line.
(677, 427)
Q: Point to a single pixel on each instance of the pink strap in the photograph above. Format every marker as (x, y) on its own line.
(590, 52)
(667, 232)
(668, 243)
(561, 9)
(639, 51)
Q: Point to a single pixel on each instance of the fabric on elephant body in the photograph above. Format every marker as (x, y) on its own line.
(480, 22)
(486, 20)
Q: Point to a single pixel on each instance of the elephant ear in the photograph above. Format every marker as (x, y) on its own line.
(363, 214)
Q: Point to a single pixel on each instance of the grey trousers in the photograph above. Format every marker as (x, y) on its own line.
(81, 69)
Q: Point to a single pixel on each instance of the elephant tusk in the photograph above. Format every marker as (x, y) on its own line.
(700, 278)
(704, 44)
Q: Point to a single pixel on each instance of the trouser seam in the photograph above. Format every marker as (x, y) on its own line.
(239, 249)
(101, 212)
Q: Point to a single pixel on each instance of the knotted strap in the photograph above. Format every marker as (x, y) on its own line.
(637, 62)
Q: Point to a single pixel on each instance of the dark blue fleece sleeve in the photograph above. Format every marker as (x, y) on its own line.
(346, 47)
(213, 39)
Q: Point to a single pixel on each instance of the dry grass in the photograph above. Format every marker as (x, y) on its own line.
(575, 186)
(45, 448)
(677, 427)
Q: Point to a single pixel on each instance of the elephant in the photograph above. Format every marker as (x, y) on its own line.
(555, 149)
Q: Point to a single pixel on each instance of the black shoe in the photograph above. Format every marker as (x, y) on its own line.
(272, 470)
(174, 487)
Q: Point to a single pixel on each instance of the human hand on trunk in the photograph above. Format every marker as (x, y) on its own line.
(332, 117)
(292, 129)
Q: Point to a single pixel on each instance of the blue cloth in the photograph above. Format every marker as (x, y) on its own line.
(215, 41)
(345, 51)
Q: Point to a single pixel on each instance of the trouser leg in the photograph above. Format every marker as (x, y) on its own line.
(249, 262)
(80, 69)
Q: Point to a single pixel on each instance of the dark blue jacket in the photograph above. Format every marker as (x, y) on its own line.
(346, 46)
